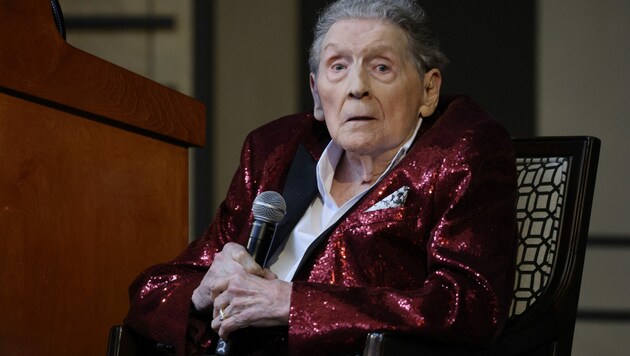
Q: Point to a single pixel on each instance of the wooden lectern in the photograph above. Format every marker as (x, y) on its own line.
(93, 185)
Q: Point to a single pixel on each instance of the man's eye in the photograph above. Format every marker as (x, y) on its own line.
(337, 67)
(382, 68)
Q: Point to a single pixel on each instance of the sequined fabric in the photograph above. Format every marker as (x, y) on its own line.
(439, 265)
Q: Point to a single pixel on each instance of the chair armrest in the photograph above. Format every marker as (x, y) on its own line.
(540, 343)
(391, 343)
(119, 343)
(123, 341)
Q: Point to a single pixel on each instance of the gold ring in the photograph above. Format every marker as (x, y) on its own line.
(221, 314)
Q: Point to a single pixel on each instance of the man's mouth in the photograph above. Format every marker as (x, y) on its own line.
(360, 118)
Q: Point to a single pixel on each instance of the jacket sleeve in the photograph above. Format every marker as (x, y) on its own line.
(469, 263)
(161, 296)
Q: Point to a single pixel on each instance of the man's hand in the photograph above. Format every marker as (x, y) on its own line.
(232, 260)
(250, 300)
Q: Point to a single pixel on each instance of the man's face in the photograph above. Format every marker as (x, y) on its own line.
(370, 90)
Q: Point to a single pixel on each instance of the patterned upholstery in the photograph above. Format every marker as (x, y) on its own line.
(542, 183)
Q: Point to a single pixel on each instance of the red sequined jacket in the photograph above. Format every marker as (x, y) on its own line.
(439, 266)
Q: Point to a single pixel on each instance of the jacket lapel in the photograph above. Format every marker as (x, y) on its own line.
(326, 233)
(299, 191)
(318, 241)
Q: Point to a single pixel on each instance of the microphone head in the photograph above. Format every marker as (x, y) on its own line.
(270, 207)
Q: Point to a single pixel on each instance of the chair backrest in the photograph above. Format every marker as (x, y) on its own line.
(556, 179)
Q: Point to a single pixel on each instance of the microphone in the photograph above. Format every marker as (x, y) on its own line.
(268, 209)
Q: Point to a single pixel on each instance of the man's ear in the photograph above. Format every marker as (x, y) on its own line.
(432, 83)
(318, 111)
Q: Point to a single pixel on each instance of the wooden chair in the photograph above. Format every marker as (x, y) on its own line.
(556, 179)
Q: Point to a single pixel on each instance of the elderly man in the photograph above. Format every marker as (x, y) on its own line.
(401, 210)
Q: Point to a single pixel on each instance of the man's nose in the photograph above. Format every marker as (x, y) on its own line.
(358, 86)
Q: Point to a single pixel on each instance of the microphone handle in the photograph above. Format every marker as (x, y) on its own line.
(257, 246)
(259, 240)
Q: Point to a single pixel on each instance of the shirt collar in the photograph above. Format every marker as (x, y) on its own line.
(331, 155)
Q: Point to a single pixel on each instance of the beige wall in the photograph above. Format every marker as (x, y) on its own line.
(584, 89)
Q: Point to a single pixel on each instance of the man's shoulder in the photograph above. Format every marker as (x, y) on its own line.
(460, 125)
(461, 115)
(290, 131)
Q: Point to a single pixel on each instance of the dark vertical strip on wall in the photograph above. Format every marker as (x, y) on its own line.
(492, 48)
(202, 181)
(491, 45)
